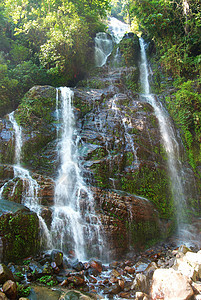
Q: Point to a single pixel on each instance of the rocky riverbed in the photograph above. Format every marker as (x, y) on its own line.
(161, 272)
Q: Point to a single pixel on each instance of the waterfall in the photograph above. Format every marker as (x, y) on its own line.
(117, 29)
(103, 48)
(30, 186)
(75, 227)
(104, 42)
(168, 137)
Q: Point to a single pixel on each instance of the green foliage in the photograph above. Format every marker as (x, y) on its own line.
(45, 42)
(48, 280)
(28, 74)
(185, 107)
(7, 87)
(23, 291)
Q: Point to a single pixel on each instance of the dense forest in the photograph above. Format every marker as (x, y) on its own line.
(50, 41)
(45, 42)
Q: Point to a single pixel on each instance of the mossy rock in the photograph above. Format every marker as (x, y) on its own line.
(37, 106)
(19, 231)
(130, 50)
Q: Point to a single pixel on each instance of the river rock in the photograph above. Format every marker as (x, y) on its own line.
(189, 265)
(169, 284)
(57, 257)
(97, 265)
(141, 296)
(140, 283)
(10, 289)
(3, 296)
(5, 274)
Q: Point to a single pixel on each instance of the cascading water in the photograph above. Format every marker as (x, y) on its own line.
(168, 136)
(30, 185)
(103, 48)
(104, 42)
(75, 227)
(117, 29)
(130, 147)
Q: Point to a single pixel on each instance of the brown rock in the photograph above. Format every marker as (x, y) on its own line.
(121, 284)
(3, 296)
(115, 273)
(5, 274)
(64, 283)
(96, 265)
(196, 287)
(76, 280)
(141, 296)
(169, 284)
(10, 289)
(129, 270)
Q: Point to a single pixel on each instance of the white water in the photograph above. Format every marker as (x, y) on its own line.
(103, 48)
(30, 185)
(128, 138)
(117, 29)
(104, 42)
(75, 226)
(168, 137)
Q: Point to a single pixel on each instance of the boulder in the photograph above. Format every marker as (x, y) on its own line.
(189, 265)
(169, 284)
(140, 283)
(19, 231)
(5, 274)
(57, 257)
(10, 289)
(3, 296)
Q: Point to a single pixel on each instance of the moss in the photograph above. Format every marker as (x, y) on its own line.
(143, 234)
(37, 105)
(153, 184)
(129, 49)
(20, 232)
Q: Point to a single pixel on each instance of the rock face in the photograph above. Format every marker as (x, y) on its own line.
(19, 231)
(121, 154)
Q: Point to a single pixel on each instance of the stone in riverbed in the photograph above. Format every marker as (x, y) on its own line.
(5, 274)
(57, 257)
(10, 289)
(3, 296)
(189, 265)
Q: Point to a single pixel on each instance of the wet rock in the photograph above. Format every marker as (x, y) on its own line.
(57, 257)
(140, 283)
(141, 296)
(196, 287)
(76, 280)
(18, 220)
(113, 289)
(149, 271)
(3, 296)
(10, 289)
(189, 265)
(35, 269)
(129, 270)
(97, 265)
(183, 249)
(114, 273)
(76, 295)
(77, 265)
(5, 274)
(44, 293)
(170, 284)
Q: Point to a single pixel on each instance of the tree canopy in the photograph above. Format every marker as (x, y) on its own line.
(46, 41)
